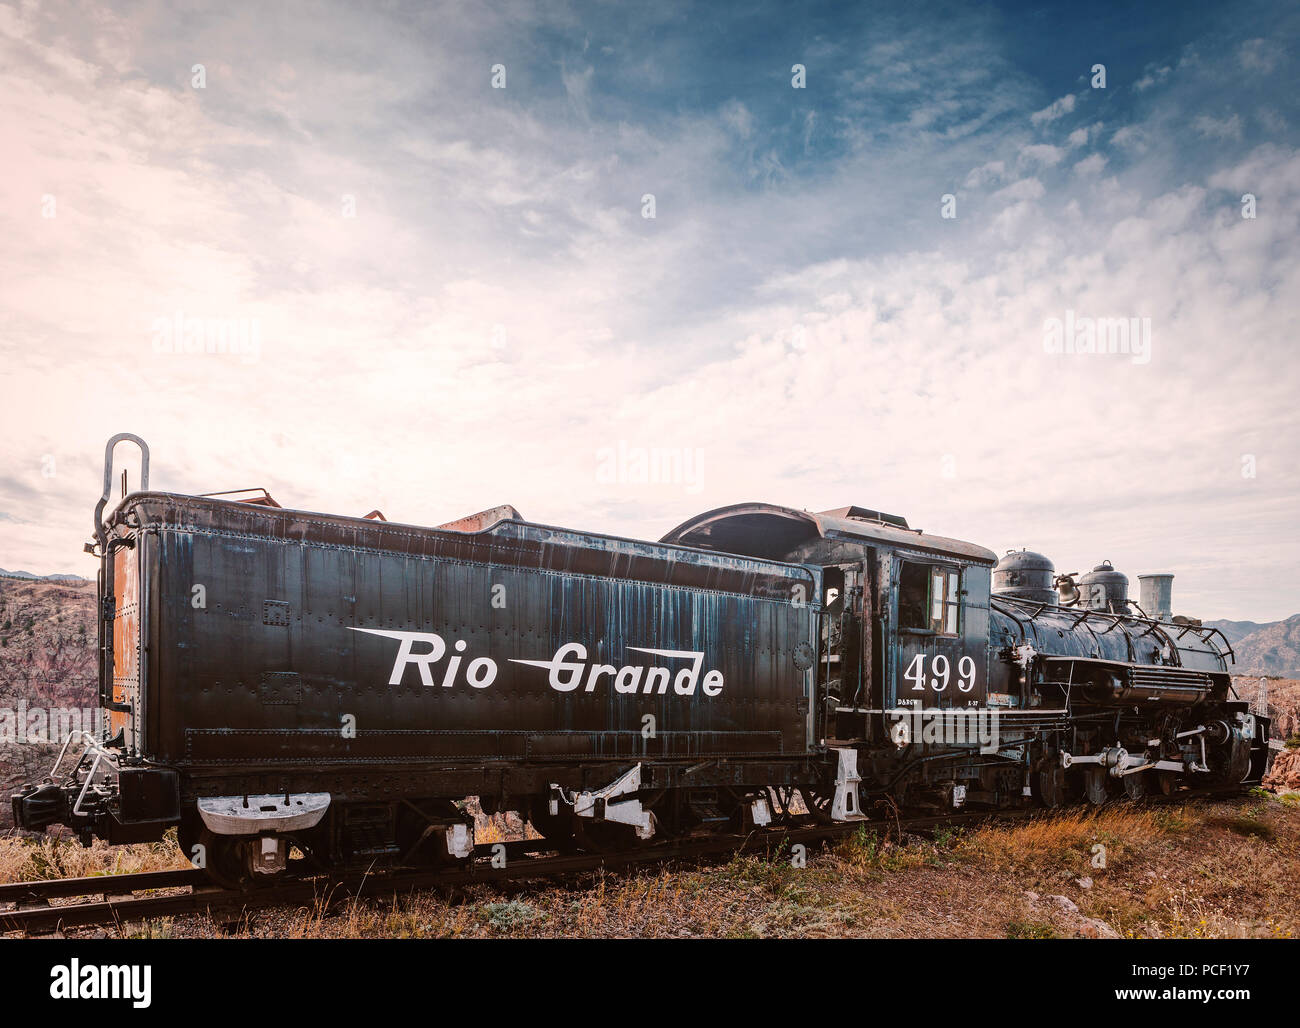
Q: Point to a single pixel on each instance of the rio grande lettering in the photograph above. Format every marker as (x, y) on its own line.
(569, 670)
(569, 666)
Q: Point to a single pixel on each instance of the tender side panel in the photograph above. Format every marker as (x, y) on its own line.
(295, 655)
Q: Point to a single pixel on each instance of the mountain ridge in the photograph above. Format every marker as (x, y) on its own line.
(1272, 650)
(27, 576)
(1235, 630)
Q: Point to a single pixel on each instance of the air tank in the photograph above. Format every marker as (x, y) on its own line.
(1024, 575)
(1104, 588)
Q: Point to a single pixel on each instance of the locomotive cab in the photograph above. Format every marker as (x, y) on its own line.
(904, 613)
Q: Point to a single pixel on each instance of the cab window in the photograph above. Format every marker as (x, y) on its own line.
(944, 602)
(929, 598)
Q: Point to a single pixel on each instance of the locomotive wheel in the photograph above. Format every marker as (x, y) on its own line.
(1051, 786)
(1096, 786)
(1168, 782)
(1134, 786)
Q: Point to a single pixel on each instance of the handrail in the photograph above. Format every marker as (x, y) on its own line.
(100, 534)
(90, 742)
(1204, 632)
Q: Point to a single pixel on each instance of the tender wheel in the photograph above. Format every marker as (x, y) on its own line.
(188, 834)
(606, 836)
(223, 859)
(557, 829)
(422, 828)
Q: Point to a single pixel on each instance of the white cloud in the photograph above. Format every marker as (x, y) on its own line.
(1153, 77)
(1218, 128)
(1129, 136)
(1042, 154)
(1020, 191)
(1260, 55)
(1054, 110)
(986, 174)
(1090, 165)
(577, 84)
(736, 116)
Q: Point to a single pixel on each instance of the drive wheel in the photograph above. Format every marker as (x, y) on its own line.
(1168, 782)
(1095, 786)
(1135, 787)
(1051, 786)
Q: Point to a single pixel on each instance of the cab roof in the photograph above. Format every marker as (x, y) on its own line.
(768, 530)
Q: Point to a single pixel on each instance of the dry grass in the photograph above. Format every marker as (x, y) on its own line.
(25, 858)
(1200, 870)
(1068, 840)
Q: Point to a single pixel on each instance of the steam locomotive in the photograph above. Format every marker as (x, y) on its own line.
(276, 680)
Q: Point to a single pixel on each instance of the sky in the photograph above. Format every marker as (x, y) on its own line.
(620, 264)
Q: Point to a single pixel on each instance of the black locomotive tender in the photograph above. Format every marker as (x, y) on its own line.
(276, 679)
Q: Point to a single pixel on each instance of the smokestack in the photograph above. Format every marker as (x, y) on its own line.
(1156, 592)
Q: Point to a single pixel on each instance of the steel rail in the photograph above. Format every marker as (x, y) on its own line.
(100, 885)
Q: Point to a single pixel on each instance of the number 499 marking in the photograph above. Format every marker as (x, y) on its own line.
(942, 671)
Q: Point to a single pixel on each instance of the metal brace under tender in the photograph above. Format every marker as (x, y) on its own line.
(616, 802)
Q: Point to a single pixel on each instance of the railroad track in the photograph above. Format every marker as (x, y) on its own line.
(116, 899)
